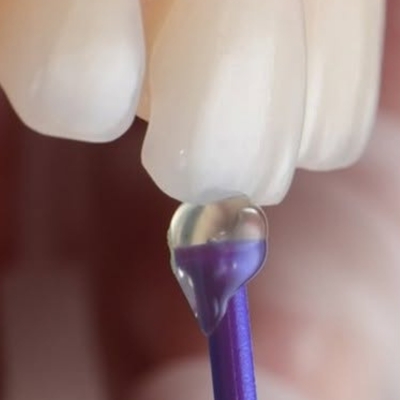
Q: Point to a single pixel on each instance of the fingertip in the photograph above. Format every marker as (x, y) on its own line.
(191, 379)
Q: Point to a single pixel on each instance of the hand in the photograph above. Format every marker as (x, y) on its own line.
(91, 310)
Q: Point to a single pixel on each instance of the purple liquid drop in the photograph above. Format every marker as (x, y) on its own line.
(211, 273)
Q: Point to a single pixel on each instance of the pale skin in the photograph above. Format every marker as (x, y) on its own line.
(325, 310)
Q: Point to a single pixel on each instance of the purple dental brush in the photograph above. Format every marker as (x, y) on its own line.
(216, 249)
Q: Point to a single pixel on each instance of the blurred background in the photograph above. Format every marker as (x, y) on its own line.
(89, 211)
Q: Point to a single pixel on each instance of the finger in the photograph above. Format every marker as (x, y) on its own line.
(191, 379)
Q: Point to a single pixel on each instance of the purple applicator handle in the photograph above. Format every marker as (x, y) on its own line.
(216, 271)
(216, 250)
(231, 353)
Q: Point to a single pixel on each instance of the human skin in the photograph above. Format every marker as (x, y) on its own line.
(325, 310)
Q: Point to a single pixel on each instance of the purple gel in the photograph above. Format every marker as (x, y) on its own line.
(211, 273)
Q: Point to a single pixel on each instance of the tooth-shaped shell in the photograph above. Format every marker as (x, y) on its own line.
(227, 93)
(344, 42)
(72, 68)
